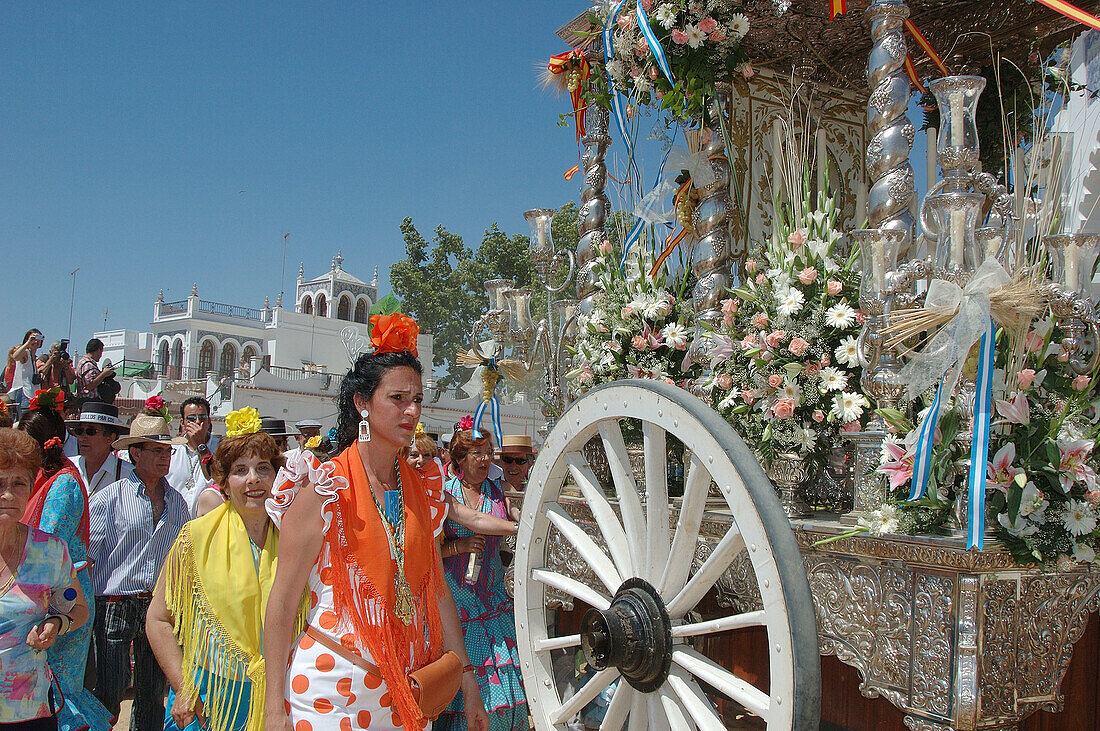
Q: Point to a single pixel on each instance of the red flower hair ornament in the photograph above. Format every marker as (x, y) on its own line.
(466, 422)
(52, 399)
(394, 333)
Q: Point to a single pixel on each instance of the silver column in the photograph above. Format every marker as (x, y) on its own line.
(892, 185)
(592, 216)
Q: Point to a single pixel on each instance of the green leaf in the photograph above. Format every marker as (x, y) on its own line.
(792, 370)
(896, 419)
(1015, 494)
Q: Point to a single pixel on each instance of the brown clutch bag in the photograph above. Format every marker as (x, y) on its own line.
(436, 684)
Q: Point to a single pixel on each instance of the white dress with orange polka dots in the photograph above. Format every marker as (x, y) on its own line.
(323, 689)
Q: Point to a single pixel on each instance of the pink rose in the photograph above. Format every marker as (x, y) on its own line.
(639, 343)
(798, 346)
(727, 320)
(775, 380)
(647, 5)
(833, 287)
(659, 94)
(679, 37)
(812, 369)
(1063, 356)
(604, 247)
(1093, 496)
(773, 338)
(1033, 342)
(707, 25)
(783, 408)
(819, 416)
(585, 377)
(748, 396)
(749, 342)
(719, 34)
(750, 266)
(760, 319)
(729, 306)
(747, 72)
(724, 381)
(807, 275)
(1025, 378)
(760, 278)
(635, 72)
(860, 317)
(1081, 383)
(626, 21)
(797, 238)
(851, 426)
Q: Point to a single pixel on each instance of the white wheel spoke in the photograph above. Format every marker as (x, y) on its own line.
(675, 716)
(700, 708)
(708, 574)
(618, 708)
(613, 533)
(584, 695)
(626, 490)
(752, 698)
(639, 712)
(734, 621)
(572, 587)
(557, 643)
(586, 547)
(656, 501)
(658, 721)
(688, 524)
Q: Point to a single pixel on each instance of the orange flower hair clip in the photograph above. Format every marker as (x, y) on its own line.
(52, 399)
(394, 333)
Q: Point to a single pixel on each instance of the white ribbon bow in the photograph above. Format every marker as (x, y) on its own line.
(948, 349)
(658, 205)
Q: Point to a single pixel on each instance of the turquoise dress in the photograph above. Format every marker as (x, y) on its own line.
(61, 513)
(488, 623)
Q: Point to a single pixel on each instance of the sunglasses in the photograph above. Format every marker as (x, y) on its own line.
(509, 459)
(197, 417)
(79, 431)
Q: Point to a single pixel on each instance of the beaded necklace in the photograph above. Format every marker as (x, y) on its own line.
(403, 601)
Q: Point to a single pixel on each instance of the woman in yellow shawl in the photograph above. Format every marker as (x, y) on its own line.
(205, 623)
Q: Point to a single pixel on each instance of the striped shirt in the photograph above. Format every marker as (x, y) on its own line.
(127, 548)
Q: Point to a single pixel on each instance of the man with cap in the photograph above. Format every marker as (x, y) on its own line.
(95, 429)
(445, 448)
(134, 523)
(307, 429)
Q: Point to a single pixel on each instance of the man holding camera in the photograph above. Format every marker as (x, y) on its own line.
(56, 367)
(89, 376)
(25, 379)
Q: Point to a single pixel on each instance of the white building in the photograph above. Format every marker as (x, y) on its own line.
(285, 363)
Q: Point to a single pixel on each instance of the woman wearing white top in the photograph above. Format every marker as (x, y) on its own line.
(23, 383)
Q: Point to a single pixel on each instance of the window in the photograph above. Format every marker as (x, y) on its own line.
(176, 363)
(307, 305)
(206, 358)
(250, 352)
(343, 310)
(322, 305)
(162, 358)
(228, 360)
(361, 311)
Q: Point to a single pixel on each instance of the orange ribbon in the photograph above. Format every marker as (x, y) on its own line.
(563, 63)
(568, 174)
(673, 239)
(1073, 12)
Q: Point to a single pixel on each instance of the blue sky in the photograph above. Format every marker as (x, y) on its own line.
(159, 144)
(154, 145)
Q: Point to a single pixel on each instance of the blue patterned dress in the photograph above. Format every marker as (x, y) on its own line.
(488, 623)
(61, 513)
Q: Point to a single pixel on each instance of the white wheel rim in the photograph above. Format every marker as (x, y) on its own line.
(639, 545)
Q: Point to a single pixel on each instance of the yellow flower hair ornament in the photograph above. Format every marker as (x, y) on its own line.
(242, 421)
(420, 429)
(313, 442)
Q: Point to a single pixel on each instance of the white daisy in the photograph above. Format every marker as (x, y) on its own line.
(848, 406)
(1084, 553)
(616, 70)
(730, 400)
(804, 438)
(884, 453)
(695, 36)
(789, 302)
(883, 521)
(675, 335)
(739, 26)
(1079, 517)
(833, 379)
(666, 16)
(841, 316)
(790, 390)
(847, 352)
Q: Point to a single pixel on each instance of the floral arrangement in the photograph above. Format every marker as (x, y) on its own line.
(243, 421)
(640, 327)
(1041, 479)
(156, 406)
(50, 399)
(785, 359)
(700, 39)
(394, 333)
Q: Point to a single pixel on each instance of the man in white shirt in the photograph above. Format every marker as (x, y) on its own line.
(189, 473)
(96, 428)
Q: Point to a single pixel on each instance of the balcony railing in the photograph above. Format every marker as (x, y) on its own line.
(217, 308)
(173, 308)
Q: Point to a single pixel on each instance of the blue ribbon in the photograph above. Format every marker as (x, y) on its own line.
(654, 44)
(979, 447)
(617, 110)
(494, 406)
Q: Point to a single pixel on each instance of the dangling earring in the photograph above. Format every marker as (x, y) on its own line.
(364, 426)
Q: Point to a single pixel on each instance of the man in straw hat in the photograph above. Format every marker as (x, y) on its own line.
(97, 427)
(515, 457)
(134, 523)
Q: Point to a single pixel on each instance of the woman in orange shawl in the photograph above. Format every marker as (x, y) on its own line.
(361, 541)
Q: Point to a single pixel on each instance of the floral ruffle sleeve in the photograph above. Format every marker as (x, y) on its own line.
(302, 469)
(432, 480)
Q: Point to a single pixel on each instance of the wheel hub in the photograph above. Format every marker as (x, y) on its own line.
(633, 635)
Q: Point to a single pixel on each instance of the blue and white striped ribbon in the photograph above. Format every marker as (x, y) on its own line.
(922, 457)
(494, 405)
(639, 226)
(654, 44)
(979, 447)
(617, 110)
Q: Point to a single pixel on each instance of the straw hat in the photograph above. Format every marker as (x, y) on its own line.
(515, 444)
(146, 429)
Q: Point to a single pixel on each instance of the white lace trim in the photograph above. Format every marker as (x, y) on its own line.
(301, 469)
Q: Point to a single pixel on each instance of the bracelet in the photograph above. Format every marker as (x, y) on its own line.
(63, 624)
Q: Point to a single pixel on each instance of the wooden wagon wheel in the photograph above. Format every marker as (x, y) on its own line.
(639, 630)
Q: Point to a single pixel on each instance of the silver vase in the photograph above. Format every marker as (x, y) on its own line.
(790, 473)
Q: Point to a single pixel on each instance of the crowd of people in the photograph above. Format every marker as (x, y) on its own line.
(369, 563)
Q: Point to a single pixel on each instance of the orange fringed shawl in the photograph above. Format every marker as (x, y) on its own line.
(362, 574)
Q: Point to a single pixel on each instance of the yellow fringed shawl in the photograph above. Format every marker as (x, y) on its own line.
(218, 600)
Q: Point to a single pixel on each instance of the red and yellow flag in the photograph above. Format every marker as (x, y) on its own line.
(837, 7)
